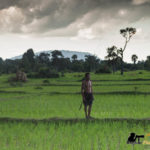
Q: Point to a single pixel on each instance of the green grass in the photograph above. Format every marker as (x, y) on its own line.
(115, 97)
(45, 102)
(67, 106)
(65, 136)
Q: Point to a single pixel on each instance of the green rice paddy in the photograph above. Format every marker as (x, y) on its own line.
(46, 116)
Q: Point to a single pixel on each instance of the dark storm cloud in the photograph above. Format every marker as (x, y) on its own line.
(7, 3)
(41, 16)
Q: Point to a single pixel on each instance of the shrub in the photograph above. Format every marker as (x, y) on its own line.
(47, 73)
(44, 72)
(32, 75)
(46, 81)
(103, 69)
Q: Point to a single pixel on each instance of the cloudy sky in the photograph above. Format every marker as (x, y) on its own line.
(80, 25)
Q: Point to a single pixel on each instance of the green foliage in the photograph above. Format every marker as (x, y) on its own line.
(112, 57)
(46, 81)
(44, 72)
(74, 57)
(77, 135)
(91, 63)
(1, 65)
(32, 64)
(47, 73)
(147, 63)
(134, 58)
(43, 58)
(47, 116)
(127, 33)
(28, 61)
(111, 92)
(103, 69)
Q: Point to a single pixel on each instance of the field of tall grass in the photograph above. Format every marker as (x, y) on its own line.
(67, 106)
(43, 114)
(88, 135)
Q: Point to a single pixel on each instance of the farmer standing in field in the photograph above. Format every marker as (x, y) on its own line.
(87, 95)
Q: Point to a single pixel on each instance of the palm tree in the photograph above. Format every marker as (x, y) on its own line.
(74, 57)
(127, 34)
(134, 58)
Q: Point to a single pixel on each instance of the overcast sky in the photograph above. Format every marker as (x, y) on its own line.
(80, 25)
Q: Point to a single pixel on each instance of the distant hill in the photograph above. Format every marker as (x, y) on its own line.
(66, 53)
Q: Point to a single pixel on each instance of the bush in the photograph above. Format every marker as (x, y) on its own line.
(140, 72)
(32, 75)
(46, 81)
(103, 69)
(44, 72)
(47, 73)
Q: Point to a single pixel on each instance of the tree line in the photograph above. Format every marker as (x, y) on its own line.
(57, 63)
(43, 65)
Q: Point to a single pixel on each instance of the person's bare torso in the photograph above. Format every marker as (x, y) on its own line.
(87, 85)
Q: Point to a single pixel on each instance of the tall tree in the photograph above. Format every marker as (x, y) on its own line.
(78, 65)
(10, 66)
(134, 58)
(1, 64)
(43, 58)
(56, 54)
(28, 60)
(127, 34)
(65, 64)
(147, 63)
(30, 55)
(148, 58)
(56, 59)
(112, 56)
(91, 62)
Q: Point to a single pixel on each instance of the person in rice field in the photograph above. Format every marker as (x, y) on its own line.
(87, 95)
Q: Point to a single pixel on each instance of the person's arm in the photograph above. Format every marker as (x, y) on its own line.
(82, 90)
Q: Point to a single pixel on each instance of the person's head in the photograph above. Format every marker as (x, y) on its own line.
(132, 135)
(87, 76)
